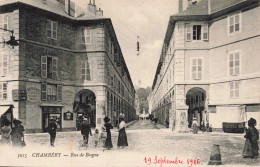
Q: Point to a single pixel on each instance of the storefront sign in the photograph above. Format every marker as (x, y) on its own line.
(18, 95)
(33, 94)
(68, 115)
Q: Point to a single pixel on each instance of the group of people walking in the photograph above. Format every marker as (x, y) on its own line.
(105, 133)
(12, 136)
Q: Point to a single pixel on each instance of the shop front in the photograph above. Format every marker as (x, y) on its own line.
(51, 112)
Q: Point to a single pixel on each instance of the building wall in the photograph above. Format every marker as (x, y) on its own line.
(25, 66)
(215, 57)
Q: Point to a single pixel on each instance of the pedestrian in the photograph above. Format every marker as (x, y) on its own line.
(17, 135)
(103, 136)
(195, 126)
(52, 128)
(108, 126)
(252, 135)
(122, 138)
(85, 131)
(96, 137)
(6, 133)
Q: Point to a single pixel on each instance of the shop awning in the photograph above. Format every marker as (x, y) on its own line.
(51, 105)
(3, 109)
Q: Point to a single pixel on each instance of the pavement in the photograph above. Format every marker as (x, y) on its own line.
(148, 143)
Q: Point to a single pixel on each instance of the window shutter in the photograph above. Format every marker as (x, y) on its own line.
(59, 93)
(236, 63)
(54, 29)
(82, 34)
(1, 64)
(44, 91)
(1, 91)
(205, 31)
(6, 22)
(54, 67)
(188, 32)
(44, 66)
(48, 29)
(5, 65)
(1, 22)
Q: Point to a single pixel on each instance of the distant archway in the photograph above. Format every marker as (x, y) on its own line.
(195, 99)
(85, 106)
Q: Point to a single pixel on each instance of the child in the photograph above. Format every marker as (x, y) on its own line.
(96, 137)
(103, 135)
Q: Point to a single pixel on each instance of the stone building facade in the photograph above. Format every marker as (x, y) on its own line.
(68, 65)
(209, 65)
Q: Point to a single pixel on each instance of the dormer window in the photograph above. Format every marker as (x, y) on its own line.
(196, 32)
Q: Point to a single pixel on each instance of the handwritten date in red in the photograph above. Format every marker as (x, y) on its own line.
(165, 161)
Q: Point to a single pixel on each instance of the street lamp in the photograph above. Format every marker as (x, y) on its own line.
(12, 42)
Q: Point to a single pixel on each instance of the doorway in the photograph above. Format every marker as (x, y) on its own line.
(54, 113)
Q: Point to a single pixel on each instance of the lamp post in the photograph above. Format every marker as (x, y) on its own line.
(12, 42)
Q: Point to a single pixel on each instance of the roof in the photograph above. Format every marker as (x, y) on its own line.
(52, 6)
(200, 12)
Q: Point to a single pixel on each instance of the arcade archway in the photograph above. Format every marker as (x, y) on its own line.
(195, 99)
(85, 106)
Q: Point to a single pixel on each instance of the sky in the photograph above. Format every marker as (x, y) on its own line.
(147, 19)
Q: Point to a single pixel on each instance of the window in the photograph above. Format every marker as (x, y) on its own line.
(4, 22)
(49, 67)
(196, 32)
(234, 89)
(234, 24)
(196, 69)
(86, 36)
(85, 70)
(234, 63)
(3, 91)
(51, 92)
(51, 29)
(3, 64)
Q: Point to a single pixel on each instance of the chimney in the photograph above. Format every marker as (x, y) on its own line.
(209, 7)
(67, 6)
(99, 12)
(183, 5)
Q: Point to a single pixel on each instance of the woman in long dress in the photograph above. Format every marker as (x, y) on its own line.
(6, 132)
(17, 135)
(252, 135)
(122, 138)
(108, 126)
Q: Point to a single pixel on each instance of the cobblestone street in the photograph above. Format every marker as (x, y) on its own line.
(145, 141)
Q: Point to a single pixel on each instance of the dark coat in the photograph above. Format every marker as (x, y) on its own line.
(52, 127)
(85, 129)
(108, 143)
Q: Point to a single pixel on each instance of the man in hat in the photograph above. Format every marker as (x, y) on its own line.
(17, 135)
(52, 127)
(85, 130)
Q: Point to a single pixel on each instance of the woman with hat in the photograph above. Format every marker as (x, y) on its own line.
(122, 138)
(17, 136)
(108, 126)
(252, 135)
(195, 126)
(6, 133)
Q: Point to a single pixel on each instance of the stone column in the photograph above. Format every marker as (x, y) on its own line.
(100, 106)
(181, 124)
